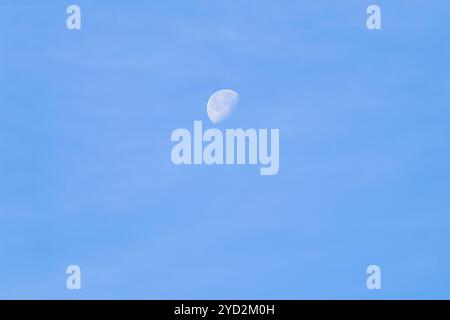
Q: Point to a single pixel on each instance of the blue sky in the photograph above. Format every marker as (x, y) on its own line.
(86, 176)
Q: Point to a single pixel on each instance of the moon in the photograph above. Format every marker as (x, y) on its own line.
(220, 104)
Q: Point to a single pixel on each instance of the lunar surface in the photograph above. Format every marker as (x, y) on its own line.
(220, 104)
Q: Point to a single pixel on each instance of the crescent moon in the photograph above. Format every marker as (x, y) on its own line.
(220, 104)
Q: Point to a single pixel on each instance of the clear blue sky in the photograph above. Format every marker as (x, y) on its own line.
(85, 170)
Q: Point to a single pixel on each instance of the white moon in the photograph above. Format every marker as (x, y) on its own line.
(220, 104)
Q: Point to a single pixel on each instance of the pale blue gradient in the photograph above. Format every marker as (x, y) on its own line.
(85, 170)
